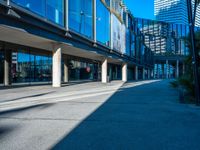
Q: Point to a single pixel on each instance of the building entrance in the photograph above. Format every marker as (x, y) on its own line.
(114, 72)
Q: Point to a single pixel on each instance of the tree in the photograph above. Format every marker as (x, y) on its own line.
(194, 52)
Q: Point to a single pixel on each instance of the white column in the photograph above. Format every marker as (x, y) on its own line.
(136, 72)
(143, 73)
(158, 71)
(124, 72)
(152, 74)
(183, 68)
(154, 70)
(7, 67)
(104, 72)
(149, 74)
(177, 68)
(66, 71)
(57, 57)
(167, 69)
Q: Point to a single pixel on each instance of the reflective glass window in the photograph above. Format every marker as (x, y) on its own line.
(80, 17)
(50, 9)
(80, 70)
(30, 66)
(55, 11)
(133, 45)
(37, 6)
(102, 24)
(128, 42)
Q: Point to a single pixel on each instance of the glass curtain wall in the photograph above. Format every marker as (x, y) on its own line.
(102, 23)
(53, 10)
(163, 38)
(81, 70)
(128, 42)
(133, 50)
(80, 17)
(31, 67)
(114, 72)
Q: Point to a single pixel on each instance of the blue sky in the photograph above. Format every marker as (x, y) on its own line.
(141, 8)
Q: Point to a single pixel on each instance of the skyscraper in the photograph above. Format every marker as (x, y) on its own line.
(174, 11)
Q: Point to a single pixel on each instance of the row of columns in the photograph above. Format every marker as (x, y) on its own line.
(167, 69)
(56, 69)
(177, 69)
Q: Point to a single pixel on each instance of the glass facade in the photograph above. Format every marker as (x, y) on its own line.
(102, 24)
(128, 42)
(29, 66)
(127, 32)
(81, 16)
(82, 70)
(163, 38)
(114, 72)
(50, 9)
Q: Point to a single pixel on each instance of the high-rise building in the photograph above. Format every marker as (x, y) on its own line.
(174, 11)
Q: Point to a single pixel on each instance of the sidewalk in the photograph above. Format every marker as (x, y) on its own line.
(144, 115)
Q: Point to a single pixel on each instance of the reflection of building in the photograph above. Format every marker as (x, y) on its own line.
(90, 40)
(174, 11)
(167, 41)
(164, 38)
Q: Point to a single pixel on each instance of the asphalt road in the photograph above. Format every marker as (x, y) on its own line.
(143, 115)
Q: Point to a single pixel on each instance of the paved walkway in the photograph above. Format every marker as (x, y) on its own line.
(133, 116)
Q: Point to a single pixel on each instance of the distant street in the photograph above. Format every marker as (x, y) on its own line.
(143, 115)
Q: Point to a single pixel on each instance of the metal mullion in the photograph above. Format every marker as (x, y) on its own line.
(66, 15)
(94, 21)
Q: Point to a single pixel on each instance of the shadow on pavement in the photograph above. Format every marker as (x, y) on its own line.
(124, 121)
(30, 96)
(6, 129)
(70, 83)
(136, 118)
(20, 110)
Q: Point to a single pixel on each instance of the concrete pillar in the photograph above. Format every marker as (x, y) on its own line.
(124, 72)
(66, 71)
(157, 71)
(177, 68)
(136, 72)
(183, 68)
(143, 73)
(57, 57)
(167, 69)
(7, 67)
(154, 70)
(104, 72)
(149, 74)
(152, 73)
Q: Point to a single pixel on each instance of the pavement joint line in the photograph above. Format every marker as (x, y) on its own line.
(64, 95)
(33, 102)
(75, 120)
(50, 97)
(6, 107)
(119, 86)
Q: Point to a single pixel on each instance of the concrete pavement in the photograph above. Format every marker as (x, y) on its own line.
(142, 115)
